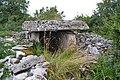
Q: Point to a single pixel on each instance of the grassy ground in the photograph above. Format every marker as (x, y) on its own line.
(6, 33)
(66, 64)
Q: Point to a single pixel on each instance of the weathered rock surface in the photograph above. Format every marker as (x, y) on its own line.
(92, 50)
(21, 66)
(1, 72)
(93, 43)
(39, 72)
(25, 63)
(21, 35)
(9, 39)
(21, 76)
(19, 47)
(53, 25)
(29, 68)
(19, 54)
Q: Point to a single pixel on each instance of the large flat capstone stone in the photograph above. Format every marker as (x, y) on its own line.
(53, 25)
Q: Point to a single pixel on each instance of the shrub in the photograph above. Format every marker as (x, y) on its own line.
(106, 68)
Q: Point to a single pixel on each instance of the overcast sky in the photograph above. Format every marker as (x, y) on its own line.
(70, 7)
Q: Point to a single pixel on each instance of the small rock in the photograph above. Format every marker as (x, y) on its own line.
(7, 65)
(19, 54)
(30, 78)
(39, 65)
(1, 72)
(21, 76)
(46, 64)
(36, 78)
(99, 44)
(9, 39)
(25, 63)
(14, 60)
(39, 71)
(7, 58)
(39, 77)
(7, 44)
(92, 50)
(18, 48)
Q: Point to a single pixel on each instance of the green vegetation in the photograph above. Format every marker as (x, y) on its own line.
(6, 74)
(37, 48)
(12, 14)
(48, 14)
(106, 69)
(1, 65)
(62, 66)
(104, 21)
(6, 33)
(4, 50)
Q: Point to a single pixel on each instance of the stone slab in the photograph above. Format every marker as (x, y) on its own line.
(54, 25)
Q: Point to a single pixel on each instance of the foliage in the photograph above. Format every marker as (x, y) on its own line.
(62, 66)
(12, 14)
(48, 14)
(4, 50)
(6, 74)
(107, 68)
(37, 48)
(83, 18)
(1, 65)
(105, 20)
(6, 33)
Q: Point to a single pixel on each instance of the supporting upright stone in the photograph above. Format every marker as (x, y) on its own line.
(35, 36)
(67, 39)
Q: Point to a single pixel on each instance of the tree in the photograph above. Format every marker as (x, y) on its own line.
(105, 10)
(83, 18)
(48, 14)
(13, 13)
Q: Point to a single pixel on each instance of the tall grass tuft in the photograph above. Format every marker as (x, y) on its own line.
(61, 67)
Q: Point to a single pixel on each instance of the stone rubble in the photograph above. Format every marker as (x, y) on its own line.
(21, 76)
(26, 63)
(18, 47)
(93, 43)
(30, 67)
(22, 47)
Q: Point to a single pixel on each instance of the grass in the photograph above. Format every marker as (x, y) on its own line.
(1, 65)
(106, 68)
(6, 74)
(65, 64)
(60, 67)
(4, 50)
(6, 33)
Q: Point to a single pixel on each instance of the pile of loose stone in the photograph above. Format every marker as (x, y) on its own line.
(25, 67)
(93, 43)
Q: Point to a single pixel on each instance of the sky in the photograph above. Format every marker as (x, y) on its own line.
(71, 8)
